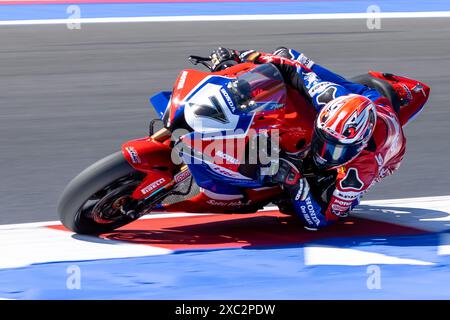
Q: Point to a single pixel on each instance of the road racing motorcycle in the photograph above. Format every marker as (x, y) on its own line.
(184, 166)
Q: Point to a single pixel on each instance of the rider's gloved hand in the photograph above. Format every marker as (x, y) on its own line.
(223, 58)
(294, 55)
(288, 173)
(283, 52)
(307, 208)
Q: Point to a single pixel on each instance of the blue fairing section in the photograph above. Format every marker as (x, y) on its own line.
(209, 180)
(204, 175)
(160, 102)
(179, 113)
(206, 178)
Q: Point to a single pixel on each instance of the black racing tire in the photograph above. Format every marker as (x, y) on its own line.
(90, 181)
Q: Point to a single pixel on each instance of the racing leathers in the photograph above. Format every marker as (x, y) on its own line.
(380, 158)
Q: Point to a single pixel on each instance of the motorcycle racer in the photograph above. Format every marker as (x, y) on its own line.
(357, 135)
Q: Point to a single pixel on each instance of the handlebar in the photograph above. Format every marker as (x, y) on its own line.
(202, 60)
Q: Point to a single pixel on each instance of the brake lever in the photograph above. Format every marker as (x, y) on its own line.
(195, 60)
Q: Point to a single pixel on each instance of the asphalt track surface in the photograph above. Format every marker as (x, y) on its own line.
(71, 97)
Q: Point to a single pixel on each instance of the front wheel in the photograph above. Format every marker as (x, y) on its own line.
(93, 202)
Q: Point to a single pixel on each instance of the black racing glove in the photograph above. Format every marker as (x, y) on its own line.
(223, 58)
(288, 173)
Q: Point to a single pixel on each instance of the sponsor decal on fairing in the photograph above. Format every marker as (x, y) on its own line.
(227, 97)
(419, 88)
(182, 80)
(237, 203)
(133, 155)
(151, 187)
(227, 173)
(181, 176)
(226, 157)
(408, 92)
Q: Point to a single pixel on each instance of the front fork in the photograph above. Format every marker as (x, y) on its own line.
(137, 208)
(161, 135)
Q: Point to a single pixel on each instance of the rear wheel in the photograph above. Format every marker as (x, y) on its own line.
(94, 201)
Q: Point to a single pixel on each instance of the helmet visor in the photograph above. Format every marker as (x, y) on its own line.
(330, 155)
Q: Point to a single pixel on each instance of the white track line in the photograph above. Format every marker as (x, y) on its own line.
(325, 255)
(22, 247)
(256, 17)
(403, 200)
(426, 213)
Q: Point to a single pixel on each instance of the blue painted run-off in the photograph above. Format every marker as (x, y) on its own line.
(58, 11)
(264, 273)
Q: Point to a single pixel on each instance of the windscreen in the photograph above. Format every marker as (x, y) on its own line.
(260, 89)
